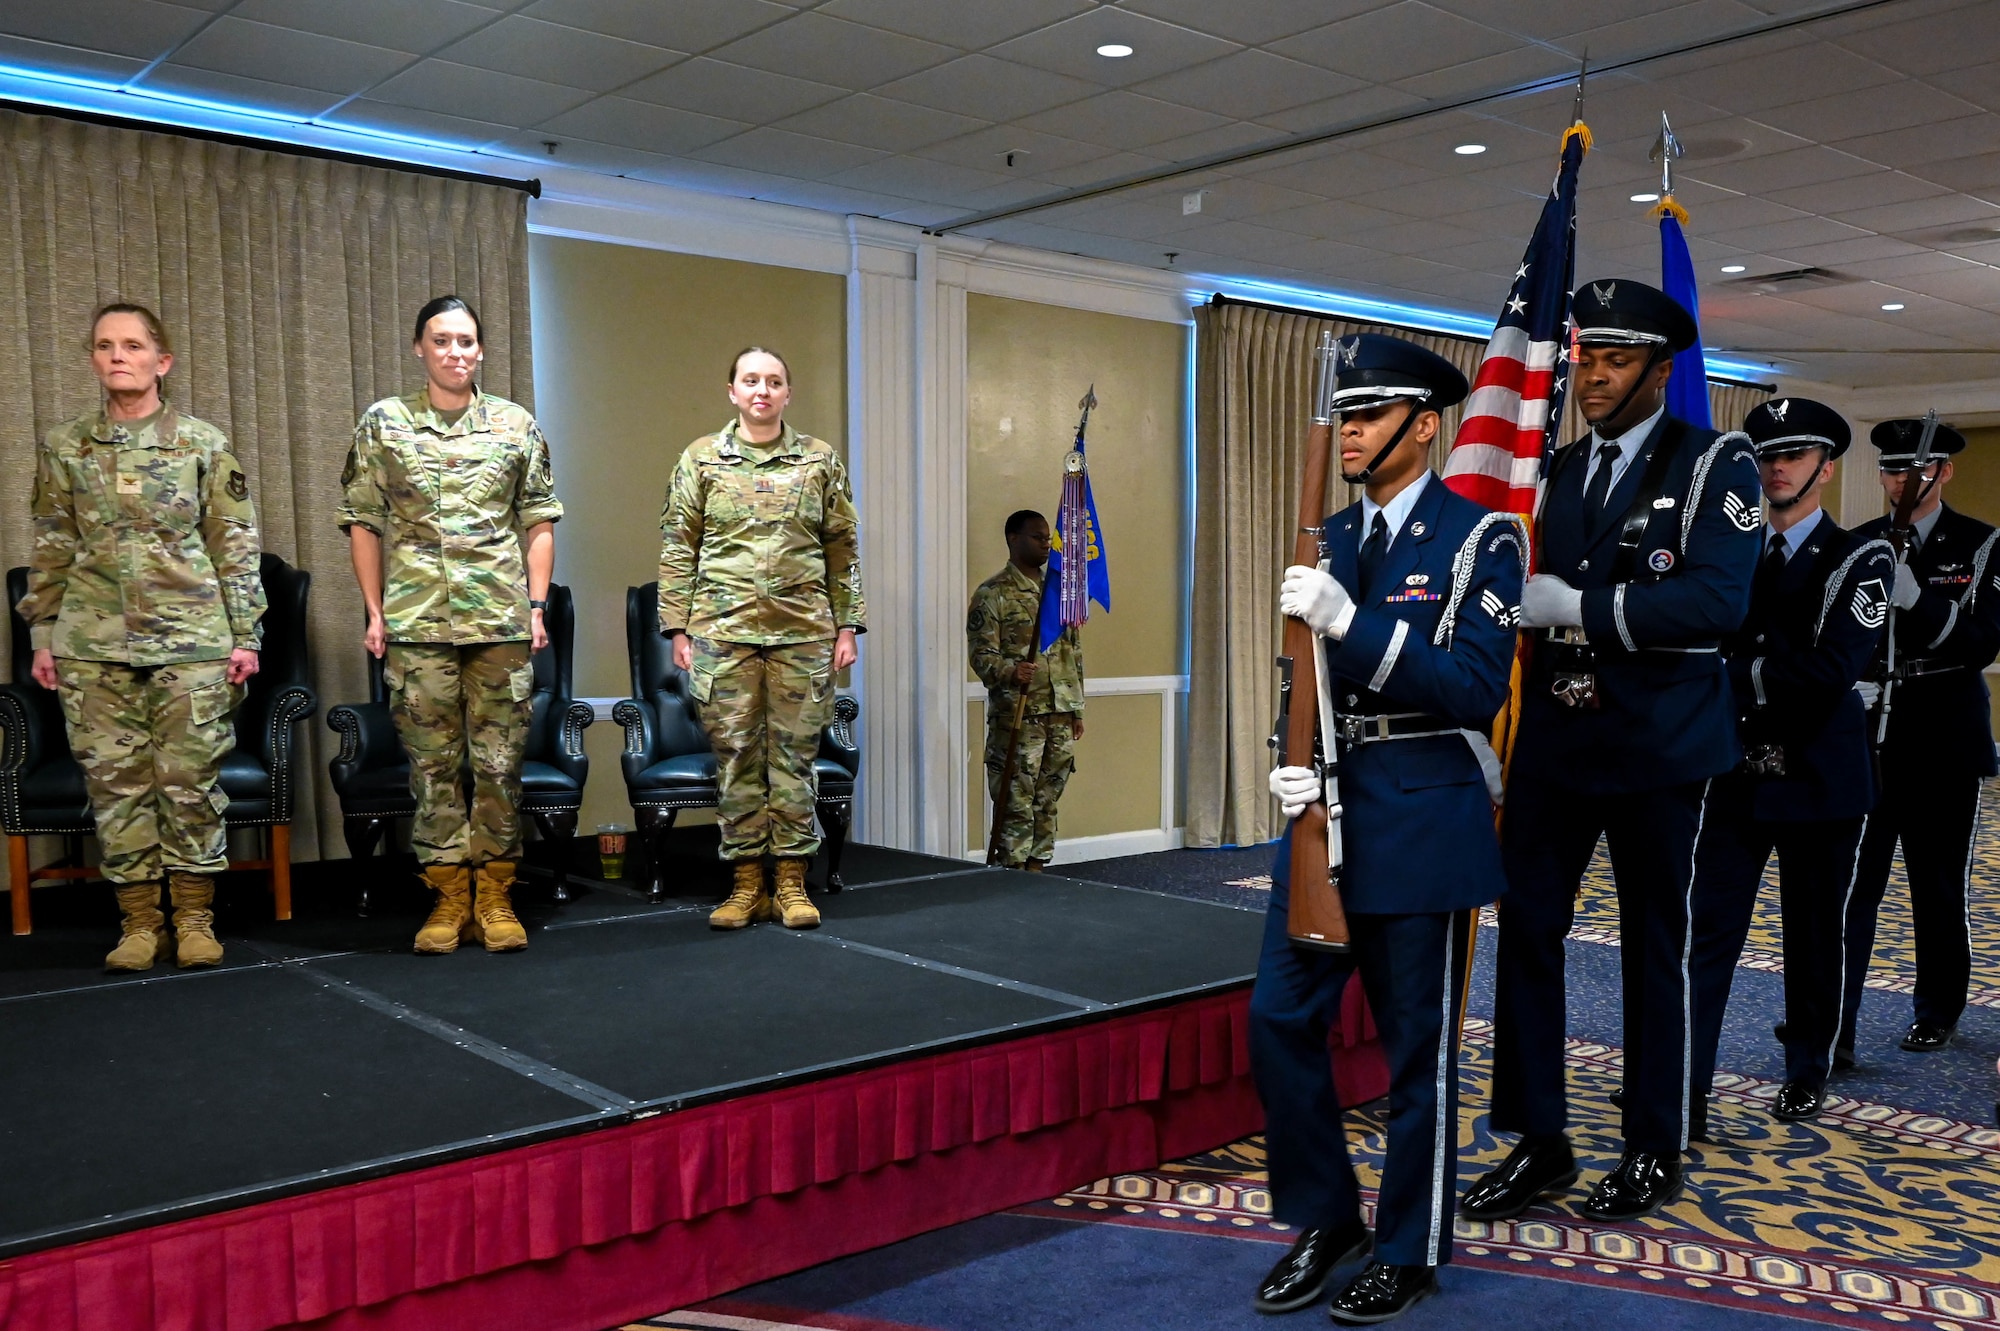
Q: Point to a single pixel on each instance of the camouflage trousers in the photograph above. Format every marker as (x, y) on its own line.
(454, 707)
(1042, 768)
(763, 709)
(151, 740)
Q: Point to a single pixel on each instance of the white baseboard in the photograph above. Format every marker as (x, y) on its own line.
(1078, 850)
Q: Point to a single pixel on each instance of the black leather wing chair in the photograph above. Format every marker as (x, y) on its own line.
(668, 764)
(41, 783)
(371, 773)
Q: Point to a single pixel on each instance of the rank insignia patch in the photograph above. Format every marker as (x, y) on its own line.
(1870, 605)
(1742, 516)
(239, 488)
(1504, 615)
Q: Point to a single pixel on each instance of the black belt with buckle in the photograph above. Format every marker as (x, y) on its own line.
(1917, 667)
(1356, 729)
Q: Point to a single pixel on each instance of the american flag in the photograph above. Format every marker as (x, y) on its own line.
(1511, 419)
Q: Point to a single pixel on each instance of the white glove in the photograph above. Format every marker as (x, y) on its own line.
(1547, 602)
(1295, 788)
(1907, 588)
(1870, 693)
(1318, 599)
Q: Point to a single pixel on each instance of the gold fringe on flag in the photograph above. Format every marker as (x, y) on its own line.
(1577, 131)
(1670, 205)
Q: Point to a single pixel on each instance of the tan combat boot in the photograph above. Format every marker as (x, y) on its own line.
(193, 895)
(146, 939)
(1036, 866)
(747, 902)
(493, 920)
(795, 908)
(453, 913)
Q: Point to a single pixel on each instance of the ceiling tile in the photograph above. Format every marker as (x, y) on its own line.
(142, 28)
(1918, 217)
(1248, 85)
(237, 46)
(679, 25)
(1408, 37)
(1353, 108)
(417, 26)
(234, 89)
(1856, 194)
(1490, 74)
(717, 89)
(877, 122)
(1930, 46)
(1334, 219)
(979, 85)
(647, 126)
(1122, 120)
(1449, 196)
(970, 27)
(1976, 85)
(1413, 235)
(1235, 199)
(1977, 173)
(1664, 28)
(1070, 47)
(1927, 261)
(578, 154)
(29, 54)
(421, 124)
(479, 94)
(1545, 20)
(1799, 166)
(1799, 231)
(786, 154)
(1801, 74)
(1252, 22)
(1868, 111)
(1228, 138)
(918, 178)
(1109, 167)
(1840, 253)
(830, 50)
(553, 53)
(987, 149)
(1908, 149)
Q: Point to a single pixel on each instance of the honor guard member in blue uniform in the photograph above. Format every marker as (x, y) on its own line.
(1939, 742)
(1805, 787)
(1649, 537)
(1417, 599)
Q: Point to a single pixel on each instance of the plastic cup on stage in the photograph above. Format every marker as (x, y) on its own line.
(611, 850)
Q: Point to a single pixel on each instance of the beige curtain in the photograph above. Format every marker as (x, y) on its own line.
(288, 285)
(1253, 400)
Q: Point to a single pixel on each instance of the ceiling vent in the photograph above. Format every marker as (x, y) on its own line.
(1712, 149)
(1791, 279)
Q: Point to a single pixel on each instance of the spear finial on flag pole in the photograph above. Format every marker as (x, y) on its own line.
(1687, 390)
(1665, 149)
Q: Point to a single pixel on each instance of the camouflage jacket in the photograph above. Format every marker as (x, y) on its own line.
(146, 545)
(757, 542)
(1001, 625)
(451, 504)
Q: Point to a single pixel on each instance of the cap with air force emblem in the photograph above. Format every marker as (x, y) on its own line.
(1793, 424)
(1372, 370)
(1623, 313)
(1898, 441)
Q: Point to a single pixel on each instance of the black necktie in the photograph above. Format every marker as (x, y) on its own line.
(1372, 551)
(1772, 569)
(1598, 490)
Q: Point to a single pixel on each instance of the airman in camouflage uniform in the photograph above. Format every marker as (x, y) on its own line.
(1002, 626)
(143, 582)
(759, 566)
(451, 496)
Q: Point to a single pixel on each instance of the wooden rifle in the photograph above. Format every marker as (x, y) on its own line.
(1902, 534)
(1316, 920)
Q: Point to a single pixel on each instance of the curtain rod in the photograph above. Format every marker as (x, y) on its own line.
(1219, 299)
(532, 188)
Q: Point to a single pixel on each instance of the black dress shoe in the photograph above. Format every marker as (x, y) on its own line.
(1638, 1185)
(1299, 1278)
(1798, 1100)
(1927, 1037)
(1381, 1292)
(1533, 1168)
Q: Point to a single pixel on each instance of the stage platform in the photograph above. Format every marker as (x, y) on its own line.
(329, 1125)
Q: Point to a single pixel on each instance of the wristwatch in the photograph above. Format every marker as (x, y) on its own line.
(537, 605)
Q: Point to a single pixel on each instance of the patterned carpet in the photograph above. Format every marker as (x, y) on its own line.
(1886, 1209)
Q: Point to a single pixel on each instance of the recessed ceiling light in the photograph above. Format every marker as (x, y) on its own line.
(1893, 305)
(1732, 267)
(1114, 50)
(1645, 198)
(1469, 149)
